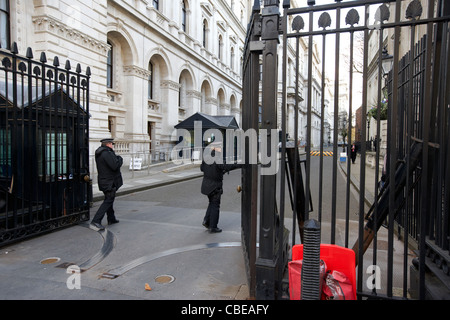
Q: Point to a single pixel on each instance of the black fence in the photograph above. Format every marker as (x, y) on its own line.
(44, 145)
(423, 115)
(411, 191)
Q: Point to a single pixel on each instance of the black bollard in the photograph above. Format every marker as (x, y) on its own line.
(311, 281)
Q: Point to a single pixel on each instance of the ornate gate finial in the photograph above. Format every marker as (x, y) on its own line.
(414, 10)
(352, 17)
(382, 14)
(324, 20)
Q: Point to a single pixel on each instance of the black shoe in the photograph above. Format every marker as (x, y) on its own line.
(96, 226)
(215, 230)
(205, 224)
(113, 221)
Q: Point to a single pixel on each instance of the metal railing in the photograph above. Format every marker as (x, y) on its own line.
(415, 196)
(44, 134)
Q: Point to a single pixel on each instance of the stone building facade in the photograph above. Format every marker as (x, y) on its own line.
(153, 63)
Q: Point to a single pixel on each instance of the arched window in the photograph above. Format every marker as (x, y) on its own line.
(109, 68)
(183, 16)
(150, 81)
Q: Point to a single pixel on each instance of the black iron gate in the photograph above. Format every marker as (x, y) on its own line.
(44, 136)
(411, 198)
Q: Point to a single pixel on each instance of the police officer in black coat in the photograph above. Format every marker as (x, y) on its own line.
(109, 181)
(212, 187)
(353, 152)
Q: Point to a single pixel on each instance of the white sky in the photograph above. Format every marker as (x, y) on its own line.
(344, 49)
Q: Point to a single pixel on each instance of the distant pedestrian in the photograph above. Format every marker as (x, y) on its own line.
(212, 186)
(376, 142)
(109, 181)
(353, 152)
(383, 179)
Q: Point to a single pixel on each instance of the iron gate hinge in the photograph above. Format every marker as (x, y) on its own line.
(257, 46)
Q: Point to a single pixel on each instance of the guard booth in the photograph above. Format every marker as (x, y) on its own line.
(44, 134)
(202, 129)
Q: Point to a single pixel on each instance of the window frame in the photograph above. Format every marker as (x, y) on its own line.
(5, 35)
(150, 81)
(205, 33)
(110, 67)
(184, 18)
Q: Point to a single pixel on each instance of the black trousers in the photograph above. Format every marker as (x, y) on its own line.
(106, 207)
(212, 213)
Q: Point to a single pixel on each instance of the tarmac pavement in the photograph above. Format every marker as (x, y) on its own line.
(145, 257)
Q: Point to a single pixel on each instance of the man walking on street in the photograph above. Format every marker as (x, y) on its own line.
(109, 181)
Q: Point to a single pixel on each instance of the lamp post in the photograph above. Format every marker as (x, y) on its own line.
(387, 62)
(368, 144)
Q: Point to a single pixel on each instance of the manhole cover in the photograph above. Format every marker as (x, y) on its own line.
(164, 278)
(49, 260)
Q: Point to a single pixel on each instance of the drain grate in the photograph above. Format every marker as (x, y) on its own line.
(165, 278)
(108, 276)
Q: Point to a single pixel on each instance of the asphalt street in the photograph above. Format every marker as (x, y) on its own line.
(160, 236)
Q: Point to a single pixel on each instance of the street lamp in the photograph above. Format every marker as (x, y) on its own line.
(387, 61)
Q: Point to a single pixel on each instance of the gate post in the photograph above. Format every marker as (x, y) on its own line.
(267, 262)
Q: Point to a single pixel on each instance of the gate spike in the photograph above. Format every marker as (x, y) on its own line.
(286, 4)
(43, 58)
(256, 6)
(29, 54)
(311, 2)
(78, 68)
(14, 48)
(56, 61)
(67, 67)
(88, 71)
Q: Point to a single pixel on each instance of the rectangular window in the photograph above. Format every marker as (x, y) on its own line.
(5, 153)
(4, 24)
(55, 155)
(109, 68)
(183, 16)
(204, 34)
(156, 4)
(150, 81)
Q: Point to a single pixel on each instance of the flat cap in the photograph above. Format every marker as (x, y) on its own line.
(106, 140)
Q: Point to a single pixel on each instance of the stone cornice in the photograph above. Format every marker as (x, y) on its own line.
(211, 100)
(207, 8)
(194, 94)
(46, 23)
(136, 71)
(169, 84)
